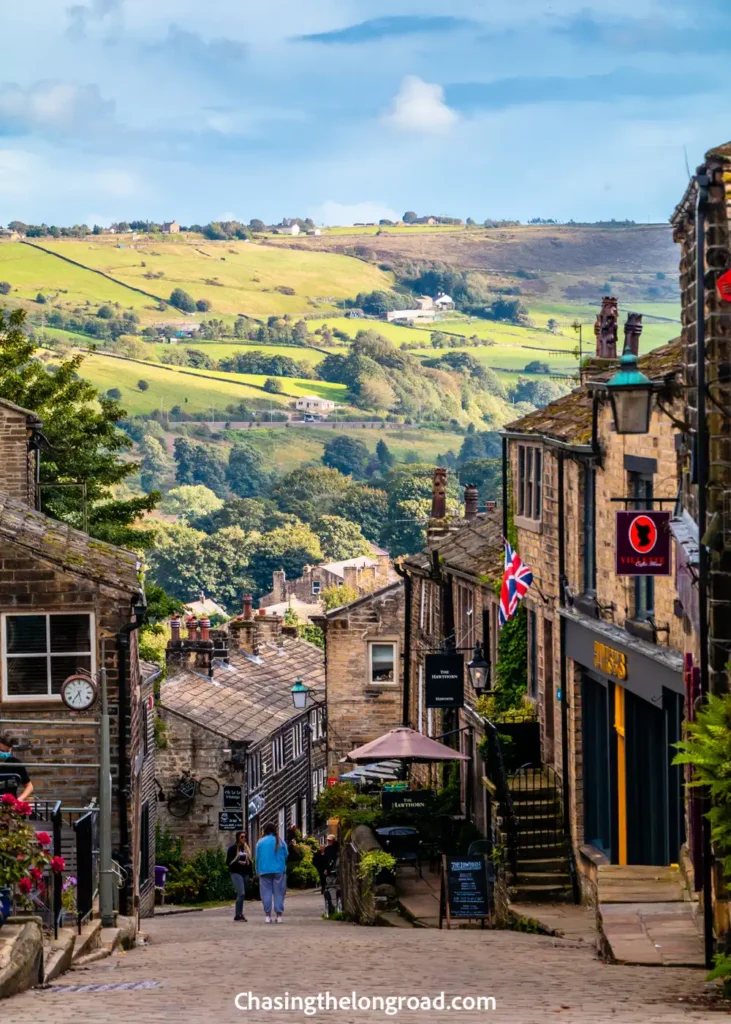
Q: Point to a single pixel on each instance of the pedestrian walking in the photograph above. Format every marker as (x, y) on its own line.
(13, 773)
(239, 863)
(271, 867)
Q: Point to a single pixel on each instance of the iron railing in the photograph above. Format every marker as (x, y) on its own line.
(498, 775)
(49, 905)
(87, 864)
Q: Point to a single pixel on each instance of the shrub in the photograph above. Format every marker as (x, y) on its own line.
(114, 393)
(273, 386)
(284, 289)
(143, 385)
(168, 848)
(182, 300)
(41, 299)
(184, 885)
(202, 305)
(211, 866)
(105, 312)
(5, 287)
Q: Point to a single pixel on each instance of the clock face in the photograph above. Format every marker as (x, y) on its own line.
(78, 693)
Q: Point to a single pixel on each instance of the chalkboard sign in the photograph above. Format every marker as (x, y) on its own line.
(465, 889)
(444, 686)
(230, 821)
(412, 801)
(232, 798)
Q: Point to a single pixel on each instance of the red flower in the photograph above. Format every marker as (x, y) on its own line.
(23, 808)
(43, 838)
(25, 885)
(8, 799)
(36, 874)
(21, 856)
(57, 864)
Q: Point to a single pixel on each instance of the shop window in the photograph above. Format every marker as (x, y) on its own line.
(530, 481)
(381, 663)
(41, 650)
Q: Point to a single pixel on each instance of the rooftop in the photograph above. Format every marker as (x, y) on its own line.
(252, 698)
(475, 547)
(568, 419)
(71, 550)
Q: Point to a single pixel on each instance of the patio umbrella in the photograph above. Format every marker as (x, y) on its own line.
(388, 770)
(406, 745)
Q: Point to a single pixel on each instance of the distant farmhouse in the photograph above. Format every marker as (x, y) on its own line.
(426, 309)
(287, 229)
(171, 227)
(311, 403)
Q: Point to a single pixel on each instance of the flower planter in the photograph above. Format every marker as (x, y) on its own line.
(6, 904)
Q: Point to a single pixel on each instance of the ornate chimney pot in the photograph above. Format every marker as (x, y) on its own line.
(471, 499)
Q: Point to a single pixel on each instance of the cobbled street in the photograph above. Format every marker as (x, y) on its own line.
(200, 961)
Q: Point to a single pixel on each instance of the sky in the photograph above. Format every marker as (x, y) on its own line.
(357, 109)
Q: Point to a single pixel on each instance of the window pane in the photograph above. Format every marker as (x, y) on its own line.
(382, 662)
(521, 480)
(539, 482)
(64, 666)
(27, 677)
(70, 633)
(529, 483)
(26, 634)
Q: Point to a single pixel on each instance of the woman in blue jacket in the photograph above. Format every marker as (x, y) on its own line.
(271, 867)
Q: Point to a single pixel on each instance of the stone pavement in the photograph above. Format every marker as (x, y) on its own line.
(663, 934)
(198, 963)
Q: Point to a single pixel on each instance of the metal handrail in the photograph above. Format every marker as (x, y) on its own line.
(505, 800)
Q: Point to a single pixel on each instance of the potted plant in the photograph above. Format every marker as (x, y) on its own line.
(25, 856)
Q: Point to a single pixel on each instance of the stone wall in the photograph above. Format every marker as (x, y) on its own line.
(357, 711)
(18, 461)
(359, 898)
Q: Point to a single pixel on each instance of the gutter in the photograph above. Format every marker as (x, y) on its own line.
(408, 589)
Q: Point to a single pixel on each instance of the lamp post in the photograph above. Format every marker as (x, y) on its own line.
(299, 698)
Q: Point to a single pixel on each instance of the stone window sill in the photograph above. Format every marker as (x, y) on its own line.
(532, 525)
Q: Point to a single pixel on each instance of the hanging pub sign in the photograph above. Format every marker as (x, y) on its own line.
(411, 801)
(444, 680)
(642, 544)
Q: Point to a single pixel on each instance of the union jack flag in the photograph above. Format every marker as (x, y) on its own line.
(516, 580)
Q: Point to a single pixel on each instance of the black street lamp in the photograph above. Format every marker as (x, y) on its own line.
(299, 698)
(479, 670)
(630, 392)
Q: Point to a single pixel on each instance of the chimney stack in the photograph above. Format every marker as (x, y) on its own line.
(382, 569)
(350, 576)
(439, 493)
(279, 587)
(605, 329)
(632, 332)
(471, 498)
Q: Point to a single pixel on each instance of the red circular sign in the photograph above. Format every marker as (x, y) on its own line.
(643, 534)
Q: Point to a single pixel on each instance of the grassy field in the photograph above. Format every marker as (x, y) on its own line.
(227, 350)
(235, 277)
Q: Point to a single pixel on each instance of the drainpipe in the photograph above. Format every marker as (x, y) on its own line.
(505, 486)
(123, 648)
(703, 553)
(408, 585)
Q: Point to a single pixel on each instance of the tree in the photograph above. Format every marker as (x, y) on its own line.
(41, 299)
(385, 456)
(338, 595)
(553, 325)
(409, 217)
(105, 312)
(199, 464)
(5, 287)
(484, 444)
(290, 548)
(182, 300)
(143, 385)
(536, 366)
(251, 514)
(189, 501)
(347, 454)
(257, 225)
(247, 472)
(156, 463)
(202, 305)
(486, 475)
(273, 386)
(538, 392)
(185, 561)
(310, 491)
(114, 394)
(85, 443)
(409, 505)
(340, 538)
(366, 506)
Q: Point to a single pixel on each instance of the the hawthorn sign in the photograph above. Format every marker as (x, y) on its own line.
(444, 680)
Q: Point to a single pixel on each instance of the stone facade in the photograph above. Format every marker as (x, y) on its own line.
(362, 574)
(17, 426)
(358, 709)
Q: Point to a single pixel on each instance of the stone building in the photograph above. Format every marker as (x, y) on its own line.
(228, 714)
(605, 658)
(697, 531)
(364, 654)
(70, 602)
(362, 574)
(450, 594)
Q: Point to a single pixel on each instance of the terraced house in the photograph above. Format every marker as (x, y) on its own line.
(605, 650)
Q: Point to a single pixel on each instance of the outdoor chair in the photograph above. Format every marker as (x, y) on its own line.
(405, 845)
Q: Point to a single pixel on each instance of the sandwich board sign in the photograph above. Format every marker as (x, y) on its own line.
(465, 890)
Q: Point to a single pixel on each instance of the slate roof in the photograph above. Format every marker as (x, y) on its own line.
(374, 595)
(252, 698)
(474, 548)
(568, 419)
(71, 550)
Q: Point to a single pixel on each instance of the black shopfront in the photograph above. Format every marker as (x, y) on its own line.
(632, 696)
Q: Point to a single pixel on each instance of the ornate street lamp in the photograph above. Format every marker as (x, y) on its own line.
(630, 392)
(299, 694)
(479, 670)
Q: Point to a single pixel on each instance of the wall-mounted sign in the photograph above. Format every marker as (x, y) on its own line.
(412, 801)
(642, 546)
(444, 685)
(230, 821)
(256, 805)
(609, 661)
(232, 798)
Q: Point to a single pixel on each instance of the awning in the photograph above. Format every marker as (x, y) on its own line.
(387, 770)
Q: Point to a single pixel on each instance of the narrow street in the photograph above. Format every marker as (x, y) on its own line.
(198, 963)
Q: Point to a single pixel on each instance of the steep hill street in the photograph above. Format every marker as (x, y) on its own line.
(195, 965)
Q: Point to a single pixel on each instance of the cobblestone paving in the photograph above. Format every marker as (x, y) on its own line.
(201, 961)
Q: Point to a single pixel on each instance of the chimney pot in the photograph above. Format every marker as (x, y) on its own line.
(632, 332)
(439, 493)
(190, 624)
(247, 606)
(471, 498)
(605, 328)
(175, 628)
(262, 611)
(205, 629)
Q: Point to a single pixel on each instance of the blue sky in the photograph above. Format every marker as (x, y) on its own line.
(357, 109)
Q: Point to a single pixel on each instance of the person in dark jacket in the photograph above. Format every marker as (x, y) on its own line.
(239, 863)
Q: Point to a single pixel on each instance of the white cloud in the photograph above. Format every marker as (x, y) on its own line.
(419, 107)
(367, 212)
(52, 106)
